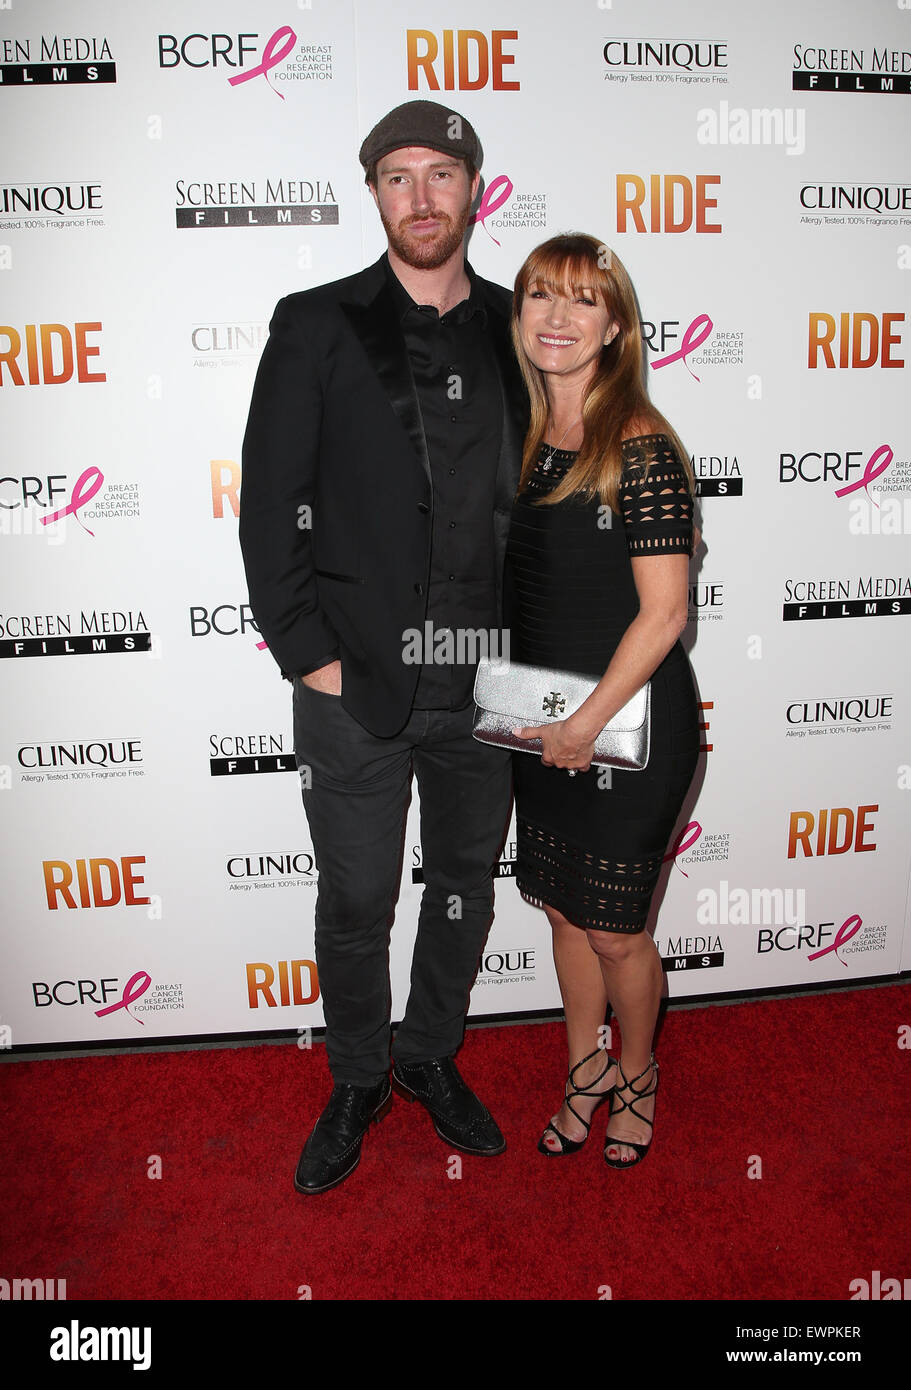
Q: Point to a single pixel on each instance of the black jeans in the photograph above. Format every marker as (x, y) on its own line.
(356, 801)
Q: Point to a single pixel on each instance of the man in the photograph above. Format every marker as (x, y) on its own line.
(381, 458)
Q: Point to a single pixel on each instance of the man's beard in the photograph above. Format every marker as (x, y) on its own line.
(427, 253)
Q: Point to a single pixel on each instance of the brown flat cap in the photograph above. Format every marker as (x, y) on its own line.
(422, 123)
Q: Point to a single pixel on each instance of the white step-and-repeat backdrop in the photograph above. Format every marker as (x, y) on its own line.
(168, 173)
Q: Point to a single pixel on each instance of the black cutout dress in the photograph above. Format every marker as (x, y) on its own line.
(593, 852)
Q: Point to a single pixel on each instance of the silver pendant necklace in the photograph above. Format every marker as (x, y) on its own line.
(545, 466)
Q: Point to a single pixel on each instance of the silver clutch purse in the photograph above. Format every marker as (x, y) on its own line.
(511, 696)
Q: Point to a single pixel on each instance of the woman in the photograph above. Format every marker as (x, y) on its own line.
(598, 558)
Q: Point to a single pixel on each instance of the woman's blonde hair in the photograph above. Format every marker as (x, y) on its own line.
(616, 397)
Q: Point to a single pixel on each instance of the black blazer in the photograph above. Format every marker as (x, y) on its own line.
(336, 497)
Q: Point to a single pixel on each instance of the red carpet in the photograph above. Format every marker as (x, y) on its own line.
(816, 1088)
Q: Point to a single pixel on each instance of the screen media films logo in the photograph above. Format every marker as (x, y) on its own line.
(255, 203)
(875, 71)
(55, 60)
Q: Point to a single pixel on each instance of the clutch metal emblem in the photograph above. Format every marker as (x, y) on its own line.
(553, 704)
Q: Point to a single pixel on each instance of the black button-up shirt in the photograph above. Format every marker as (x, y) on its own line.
(458, 389)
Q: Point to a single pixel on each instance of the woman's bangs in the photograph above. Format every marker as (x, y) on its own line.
(566, 275)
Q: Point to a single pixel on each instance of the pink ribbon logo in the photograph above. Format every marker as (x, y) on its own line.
(873, 470)
(682, 843)
(495, 195)
(848, 928)
(92, 479)
(694, 337)
(277, 48)
(137, 984)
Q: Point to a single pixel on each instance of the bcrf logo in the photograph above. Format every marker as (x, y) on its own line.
(205, 50)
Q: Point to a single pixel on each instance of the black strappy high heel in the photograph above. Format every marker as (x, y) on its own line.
(571, 1146)
(650, 1090)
